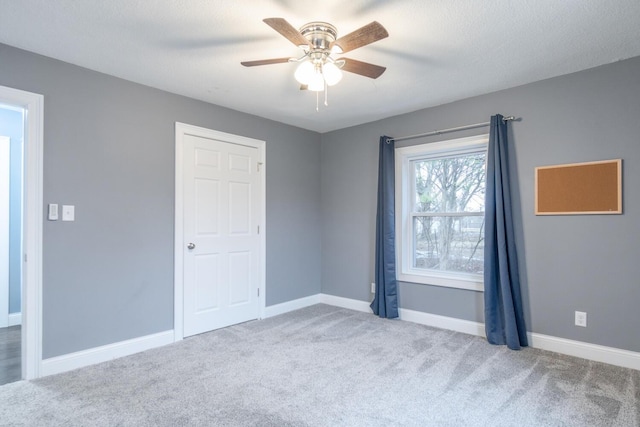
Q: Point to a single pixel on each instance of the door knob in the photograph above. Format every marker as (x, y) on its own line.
(191, 246)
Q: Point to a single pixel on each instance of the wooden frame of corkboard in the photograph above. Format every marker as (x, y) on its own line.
(579, 188)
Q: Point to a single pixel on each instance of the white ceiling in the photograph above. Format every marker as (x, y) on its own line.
(437, 51)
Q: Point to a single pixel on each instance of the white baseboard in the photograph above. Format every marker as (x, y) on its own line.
(597, 353)
(443, 322)
(296, 304)
(15, 319)
(349, 303)
(68, 362)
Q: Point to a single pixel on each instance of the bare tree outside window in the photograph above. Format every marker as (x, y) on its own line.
(448, 213)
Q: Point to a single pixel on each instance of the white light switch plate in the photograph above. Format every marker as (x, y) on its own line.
(53, 212)
(68, 213)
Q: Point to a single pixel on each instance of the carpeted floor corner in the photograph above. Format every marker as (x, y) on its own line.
(327, 366)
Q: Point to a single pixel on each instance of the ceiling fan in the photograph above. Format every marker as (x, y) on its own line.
(318, 68)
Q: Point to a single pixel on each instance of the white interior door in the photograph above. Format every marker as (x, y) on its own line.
(221, 243)
(4, 230)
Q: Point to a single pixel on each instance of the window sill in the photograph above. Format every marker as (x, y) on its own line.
(470, 283)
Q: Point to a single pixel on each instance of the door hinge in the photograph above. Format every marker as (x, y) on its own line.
(258, 229)
(258, 291)
(25, 257)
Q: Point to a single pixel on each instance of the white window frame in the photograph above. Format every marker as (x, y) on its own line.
(404, 217)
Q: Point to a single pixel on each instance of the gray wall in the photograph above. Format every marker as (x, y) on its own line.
(11, 125)
(587, 263)
(109, 150)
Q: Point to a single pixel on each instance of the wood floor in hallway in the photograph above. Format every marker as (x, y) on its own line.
(10, 352)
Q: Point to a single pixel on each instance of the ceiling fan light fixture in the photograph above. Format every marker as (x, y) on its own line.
(317, 83)
(305, 72)
(332, 74)
(318, 69)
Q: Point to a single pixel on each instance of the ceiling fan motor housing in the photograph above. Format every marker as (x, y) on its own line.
(320, 36)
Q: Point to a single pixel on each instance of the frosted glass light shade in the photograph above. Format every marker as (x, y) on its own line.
(332, 73)
(304, 73)
(317, 83)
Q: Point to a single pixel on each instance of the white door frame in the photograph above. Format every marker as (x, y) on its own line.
(32, 226)
(183, 129)
(5, 213)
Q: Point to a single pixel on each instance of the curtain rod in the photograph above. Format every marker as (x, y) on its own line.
(438, 132)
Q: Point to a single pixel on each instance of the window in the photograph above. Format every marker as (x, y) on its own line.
(440, 193)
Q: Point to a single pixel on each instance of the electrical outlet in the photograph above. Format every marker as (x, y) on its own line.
(581, 319)
(373, 288)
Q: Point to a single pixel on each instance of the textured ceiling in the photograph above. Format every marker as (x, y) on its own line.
(437, 51)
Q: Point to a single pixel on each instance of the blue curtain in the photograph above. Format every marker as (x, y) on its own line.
(504, 321)
(385, 303)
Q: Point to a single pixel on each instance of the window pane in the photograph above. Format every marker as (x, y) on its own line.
(446, 243)
(452, 184)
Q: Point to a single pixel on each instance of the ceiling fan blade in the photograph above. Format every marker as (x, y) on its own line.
(361, 37)
(287, 30)
(362, 68)
(265, 62)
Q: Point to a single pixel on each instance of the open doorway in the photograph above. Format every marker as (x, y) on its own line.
(29, 275)
(11, 196)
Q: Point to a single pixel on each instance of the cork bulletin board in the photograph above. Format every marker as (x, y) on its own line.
(579, 188)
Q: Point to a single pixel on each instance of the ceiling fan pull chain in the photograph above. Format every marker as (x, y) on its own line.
(317, 101)
(326, 94)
